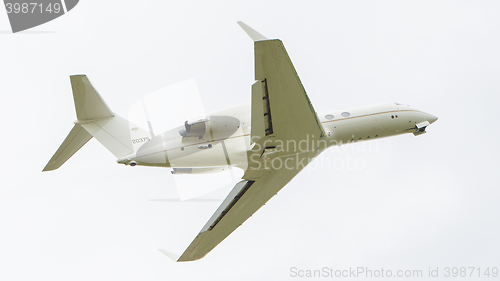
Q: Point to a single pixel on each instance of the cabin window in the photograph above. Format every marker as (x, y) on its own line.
(346, 114)
(329, 117)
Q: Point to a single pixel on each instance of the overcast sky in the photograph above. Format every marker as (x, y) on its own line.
(412, 203)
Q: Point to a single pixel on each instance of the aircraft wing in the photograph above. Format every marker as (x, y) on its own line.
(281, 108)
(242, 202)
(281, 113)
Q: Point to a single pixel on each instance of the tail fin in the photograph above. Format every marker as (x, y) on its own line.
(95, 119)
(77, 138)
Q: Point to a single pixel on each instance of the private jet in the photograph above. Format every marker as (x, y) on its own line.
(271, 140)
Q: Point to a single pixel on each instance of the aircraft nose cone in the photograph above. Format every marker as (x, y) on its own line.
(432, 118)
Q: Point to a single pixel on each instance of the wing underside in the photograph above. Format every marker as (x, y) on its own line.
(281, 95)
(243, 201)
(281, 112)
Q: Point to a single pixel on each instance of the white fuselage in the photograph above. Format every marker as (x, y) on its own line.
(226, 138)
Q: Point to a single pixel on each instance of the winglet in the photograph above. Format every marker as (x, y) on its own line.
(173, 256)
(251, 32)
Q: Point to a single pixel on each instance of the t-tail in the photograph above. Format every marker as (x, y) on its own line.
(94, 119)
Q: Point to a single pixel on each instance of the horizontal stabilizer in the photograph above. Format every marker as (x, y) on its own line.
(88, 103)
(77, 138)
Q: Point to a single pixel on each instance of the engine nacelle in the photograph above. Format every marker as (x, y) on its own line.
(194, 128)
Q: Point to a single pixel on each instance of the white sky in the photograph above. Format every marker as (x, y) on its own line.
(416, 202)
